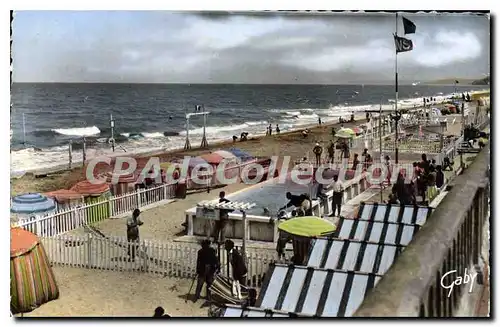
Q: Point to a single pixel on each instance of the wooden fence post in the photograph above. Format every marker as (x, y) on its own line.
(110, 207)
(138, 198)
(89, 251)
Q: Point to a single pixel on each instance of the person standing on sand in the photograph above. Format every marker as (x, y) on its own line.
(270, 129)
(207, 265)
(319, 121)
(331, 152)
(133, 224)
(277, 129)
(318, 150)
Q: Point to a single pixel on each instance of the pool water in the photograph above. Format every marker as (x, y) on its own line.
(269, 195)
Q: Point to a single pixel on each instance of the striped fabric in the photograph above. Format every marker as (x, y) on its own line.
(32, 281)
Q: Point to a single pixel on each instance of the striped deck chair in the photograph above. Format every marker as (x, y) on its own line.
(226, 291)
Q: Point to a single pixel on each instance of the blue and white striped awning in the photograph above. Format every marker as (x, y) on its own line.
(353, 255)
(415, 215)
(32, 203)
(375, 231)
(314, 291)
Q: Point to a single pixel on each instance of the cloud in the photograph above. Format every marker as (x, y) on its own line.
(241, 48)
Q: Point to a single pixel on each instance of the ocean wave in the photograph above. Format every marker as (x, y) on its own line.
(292, 113)
(148, 134)
(78, 131)
(224, 129)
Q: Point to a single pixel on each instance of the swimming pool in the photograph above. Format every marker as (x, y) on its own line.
(270, 195)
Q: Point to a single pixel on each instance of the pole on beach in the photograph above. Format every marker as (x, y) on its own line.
(84, 149)
(396, 103)
(24, 130)
(187, 145)
(112, 124)
(204, 143)
(70, 150)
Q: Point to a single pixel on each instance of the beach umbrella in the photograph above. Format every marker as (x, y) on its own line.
(212, 158)
(32, 282)
(308, 226)
(357, 130)
(86, 188)
(301, 230)
(345, 134)
(32, 203)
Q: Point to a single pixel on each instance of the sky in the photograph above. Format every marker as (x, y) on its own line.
(182, 47)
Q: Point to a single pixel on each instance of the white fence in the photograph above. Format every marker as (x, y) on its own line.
(70, 219)
(173, 259)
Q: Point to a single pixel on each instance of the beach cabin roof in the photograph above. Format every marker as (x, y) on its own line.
(64, 195)
(225, 154)
(21, 241)
(122, 178)
(86, 188)
(240, 154)
(32, 203)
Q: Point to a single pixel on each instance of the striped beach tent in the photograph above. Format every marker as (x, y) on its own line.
(32, 282)
(95, 194)
(31, 204)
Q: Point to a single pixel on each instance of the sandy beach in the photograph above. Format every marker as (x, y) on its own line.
(289, 143)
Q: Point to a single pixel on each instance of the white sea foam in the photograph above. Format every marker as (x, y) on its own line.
(78, 131)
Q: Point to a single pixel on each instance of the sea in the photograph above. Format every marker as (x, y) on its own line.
(152, 117)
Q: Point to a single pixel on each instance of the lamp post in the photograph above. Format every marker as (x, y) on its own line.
(396, 117)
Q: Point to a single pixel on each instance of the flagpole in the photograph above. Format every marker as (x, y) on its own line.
(396, 103)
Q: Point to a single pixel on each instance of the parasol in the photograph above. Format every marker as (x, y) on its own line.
(300, 230)
(32, 203)
(345, 133)
(32, 282)
(357, 130)
(308, 226)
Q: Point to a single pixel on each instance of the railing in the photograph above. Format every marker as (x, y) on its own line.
(173, 259)
(70, 219)
(451, 240)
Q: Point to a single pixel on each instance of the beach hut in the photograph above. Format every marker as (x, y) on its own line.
(301, 230)
(65, 199)
(94, 193)
(27, 206)
(244, 156)
(32, 282)
(120, 184)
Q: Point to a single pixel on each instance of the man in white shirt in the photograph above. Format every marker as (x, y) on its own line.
(338, 192)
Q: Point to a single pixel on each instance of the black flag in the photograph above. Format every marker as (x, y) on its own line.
(409, 26)
(402, 44)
